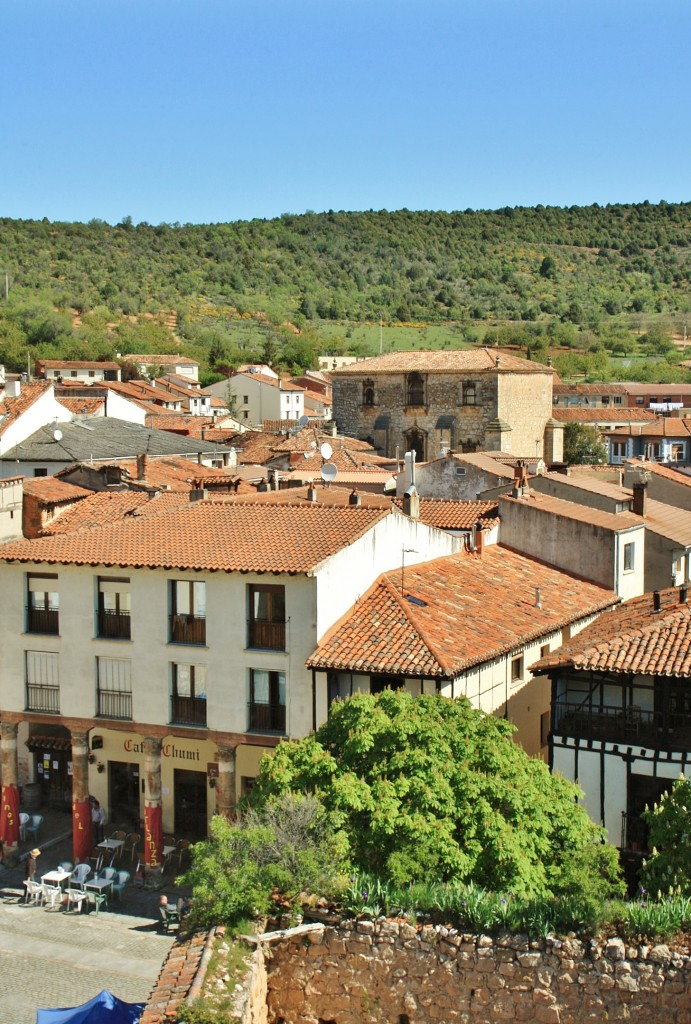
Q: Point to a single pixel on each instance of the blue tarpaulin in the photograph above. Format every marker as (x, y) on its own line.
(105, 1008)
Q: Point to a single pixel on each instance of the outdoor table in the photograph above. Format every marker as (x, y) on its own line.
(56, 877)
(111, 844)
(98, 884)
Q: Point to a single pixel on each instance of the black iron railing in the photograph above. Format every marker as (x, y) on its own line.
(188, 710)
(187, 629)
(42, 698)
(114, 704)
(114, 625)
(267, 717)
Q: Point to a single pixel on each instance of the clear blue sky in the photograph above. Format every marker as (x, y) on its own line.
(217, 110)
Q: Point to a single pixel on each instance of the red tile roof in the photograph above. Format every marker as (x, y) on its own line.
(453, 361)
(82, 406)
(633, 638)
(589, 389)
(99, 509)
(657, 469)
(465, 610)
(208, 535)
(12, 408)
(456, 515)
(606, 414)
(665, 426)
(51, 491)
(157, 359)
(332, 495)
(74, 364)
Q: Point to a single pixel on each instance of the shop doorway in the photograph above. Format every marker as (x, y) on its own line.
(190, 804)
(123, 794)
(53, 754)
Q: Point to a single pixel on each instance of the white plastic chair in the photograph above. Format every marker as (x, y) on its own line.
(24, 820)
(34, 891)
(119, 883)
(52, 894)
(76, 897)
(108, 873)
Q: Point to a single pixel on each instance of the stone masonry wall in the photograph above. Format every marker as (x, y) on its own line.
(371, 972)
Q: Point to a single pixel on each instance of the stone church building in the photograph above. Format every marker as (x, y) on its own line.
(463, 400)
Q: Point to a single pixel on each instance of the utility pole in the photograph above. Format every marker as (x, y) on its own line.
(381, 318)
(7, 285)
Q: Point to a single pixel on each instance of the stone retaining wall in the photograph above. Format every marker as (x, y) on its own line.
(355, 972)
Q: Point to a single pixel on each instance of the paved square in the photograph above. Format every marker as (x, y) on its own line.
(52, 959)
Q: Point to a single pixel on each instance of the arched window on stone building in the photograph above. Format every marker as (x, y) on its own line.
(368, 396)
(415, 389)
(469, 393)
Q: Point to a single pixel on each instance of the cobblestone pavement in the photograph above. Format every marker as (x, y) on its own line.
(49, 958)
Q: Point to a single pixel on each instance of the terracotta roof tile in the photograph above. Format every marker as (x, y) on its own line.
(51, 491)
(589, 389)
(657, 469)
(215, 536)
(74, 364)
(662, 426)
(445, 620)
(453, 361)
(157, 359)
(82, 406)
(633, 638)
(12, 408)
(456, 515)
(606, 414)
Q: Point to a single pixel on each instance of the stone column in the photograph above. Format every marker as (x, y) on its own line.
(153, 812)
(226, 784)
(82, 836)
(9, 802)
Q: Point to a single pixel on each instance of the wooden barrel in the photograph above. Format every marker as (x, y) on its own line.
(31, 797)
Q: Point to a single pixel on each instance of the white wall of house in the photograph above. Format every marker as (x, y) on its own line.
(121, 408)
(594, 552)
(11, 502)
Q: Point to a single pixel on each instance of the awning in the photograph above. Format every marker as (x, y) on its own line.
(446, 423)
(49, 743)
(382, 422)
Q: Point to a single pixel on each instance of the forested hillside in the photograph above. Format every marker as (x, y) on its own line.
(82, 289)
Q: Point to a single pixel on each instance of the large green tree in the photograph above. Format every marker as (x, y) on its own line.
(429, 788)
(669, 825)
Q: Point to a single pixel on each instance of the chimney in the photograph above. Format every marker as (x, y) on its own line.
(411, 503)
(657, 604)
(479, 538)
(141, 467)
(274, 481)
(311, 493)
(354, 498)
(683, 594)
(13, 388)
(520, 479)
(640, 498)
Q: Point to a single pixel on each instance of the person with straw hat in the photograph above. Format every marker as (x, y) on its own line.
(31, 863)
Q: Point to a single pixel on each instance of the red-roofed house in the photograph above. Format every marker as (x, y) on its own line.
(259, 398)
(173, 646)
(621, 709)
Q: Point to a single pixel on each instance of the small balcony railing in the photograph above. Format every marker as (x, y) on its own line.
(188, 711)
(114, 625)
(618, 724)
(267, 635)
(267, 717)
(43, 698)
(114, 704)
(187, 629)
(42, 620)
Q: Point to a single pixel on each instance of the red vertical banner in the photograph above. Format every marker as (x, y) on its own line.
(9, 816)
(153, 836)
(81, 830)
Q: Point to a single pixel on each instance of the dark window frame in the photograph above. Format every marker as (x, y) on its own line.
(268, 631)
(268, 716)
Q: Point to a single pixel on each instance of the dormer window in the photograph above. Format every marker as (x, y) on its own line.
(415, 389)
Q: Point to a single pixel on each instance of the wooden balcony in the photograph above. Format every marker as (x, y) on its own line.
(267, 717)
(270, 636)
(188, 711)
(625, 725)
(114, 704)
(42, 620)
(43, 698)
(187, 629)
(114, 625)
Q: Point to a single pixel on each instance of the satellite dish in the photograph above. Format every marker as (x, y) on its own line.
(304, 421)
(326, 450)
(328, 472)
(313, 444)
(57, 435)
